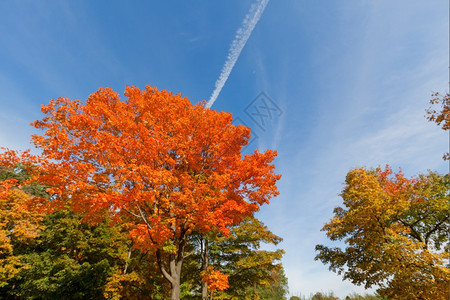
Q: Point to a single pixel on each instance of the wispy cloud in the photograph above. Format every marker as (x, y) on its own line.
(241, 38)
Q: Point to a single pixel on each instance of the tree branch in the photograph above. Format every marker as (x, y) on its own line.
(429, 233)
(162, 269)
(415, 234)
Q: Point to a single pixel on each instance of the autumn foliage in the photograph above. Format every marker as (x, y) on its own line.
(396, 232)
(154, 160)
(19, 226)
(216, 280)
(154, 153)
(439, 113)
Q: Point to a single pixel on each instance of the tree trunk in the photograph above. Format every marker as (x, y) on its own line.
(173, 274)
(205, 264)
(176, 261)
(174, 277)
(175, 293)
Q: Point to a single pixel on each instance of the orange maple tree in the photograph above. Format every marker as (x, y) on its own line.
(216, 280)
(172, 166)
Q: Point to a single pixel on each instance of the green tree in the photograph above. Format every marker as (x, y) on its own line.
(252, 272)
(69, 259)
(74, 259)
(320, 296)
(277, 289)
(355, 296)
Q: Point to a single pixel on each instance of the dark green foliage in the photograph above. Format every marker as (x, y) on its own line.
(250, 269)
(51, 277)
(252, 272)
(277, 289)
(20, 175)
(70, 260)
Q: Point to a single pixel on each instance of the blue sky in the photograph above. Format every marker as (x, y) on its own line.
(351, 80)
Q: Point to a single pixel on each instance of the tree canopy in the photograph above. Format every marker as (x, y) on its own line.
(172, 168)
(396, 231)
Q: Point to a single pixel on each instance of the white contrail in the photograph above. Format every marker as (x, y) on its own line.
(242, 35)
